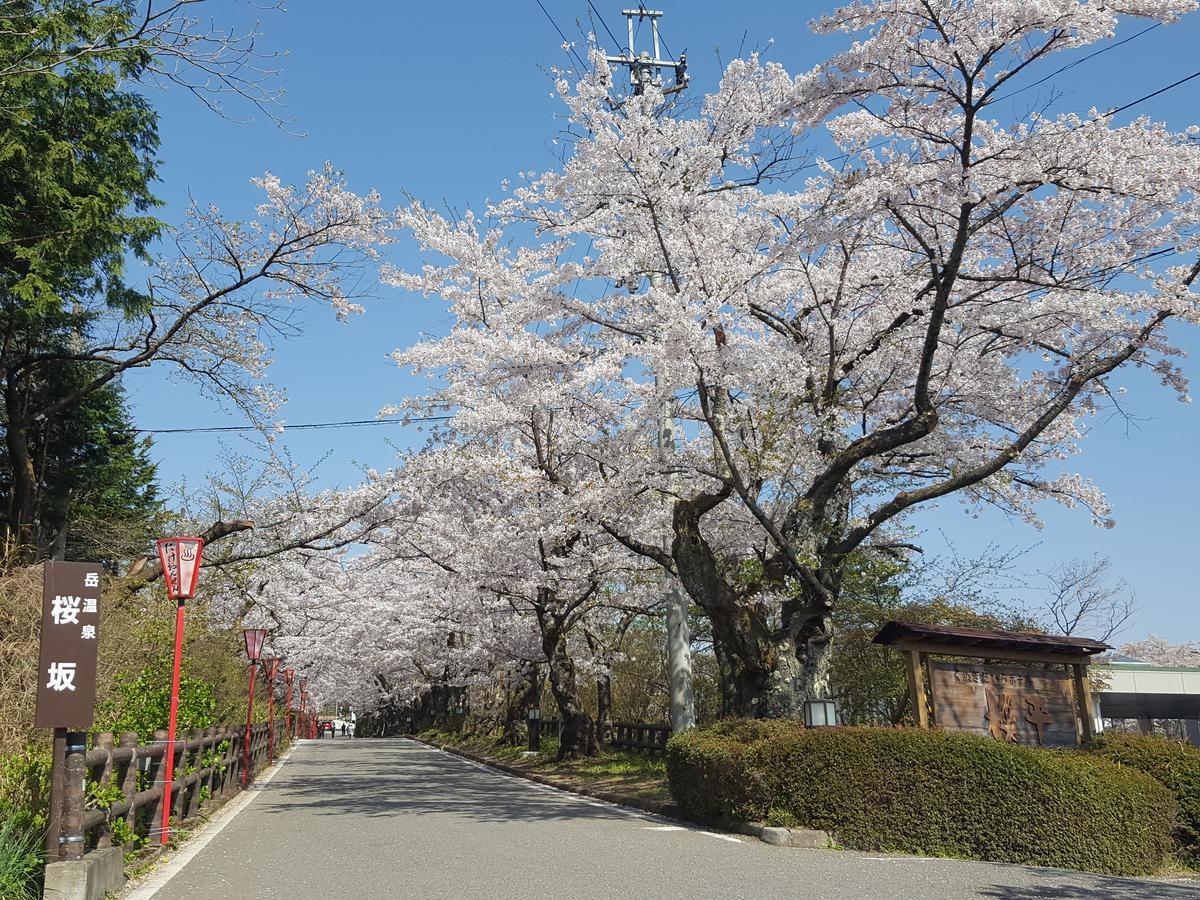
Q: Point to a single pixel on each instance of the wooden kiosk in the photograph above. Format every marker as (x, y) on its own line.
(1044, 700)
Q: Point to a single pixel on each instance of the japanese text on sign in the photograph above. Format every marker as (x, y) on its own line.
(67, 662)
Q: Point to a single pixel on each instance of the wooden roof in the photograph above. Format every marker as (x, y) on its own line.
(978, 639)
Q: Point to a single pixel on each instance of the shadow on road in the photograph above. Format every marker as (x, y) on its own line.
(1111, 889)
(395, 778)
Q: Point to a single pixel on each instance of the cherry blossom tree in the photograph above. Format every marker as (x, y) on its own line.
(932, 310)
(1162, 652)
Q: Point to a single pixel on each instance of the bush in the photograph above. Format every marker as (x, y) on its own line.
(1175, 765)
(143, 704)
(927, 792)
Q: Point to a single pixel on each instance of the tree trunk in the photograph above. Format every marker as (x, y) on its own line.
(517, 714)
(20, 539)
(768, 670)
(604, 725)
(578, 736)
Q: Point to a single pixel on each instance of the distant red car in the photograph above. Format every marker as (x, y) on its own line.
(324, 725)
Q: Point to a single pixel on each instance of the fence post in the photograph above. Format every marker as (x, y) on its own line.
(179, 787)
(129, 776)
(222, 758)
(210, 750)
(71, 840)
(193, 802)
(104, 741)
(160, 781)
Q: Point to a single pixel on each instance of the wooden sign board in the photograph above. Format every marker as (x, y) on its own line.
(67, 664)
(1018, 704)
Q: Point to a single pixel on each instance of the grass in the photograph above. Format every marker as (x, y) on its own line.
(20, 860)
(615, 771)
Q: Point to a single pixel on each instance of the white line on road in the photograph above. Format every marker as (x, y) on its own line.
(721, 837)
(899, 858)
(156, 881)
(663, 828)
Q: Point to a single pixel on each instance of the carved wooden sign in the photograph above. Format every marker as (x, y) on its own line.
(1018, 704)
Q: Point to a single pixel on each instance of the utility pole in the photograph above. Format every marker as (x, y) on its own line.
(646, 69)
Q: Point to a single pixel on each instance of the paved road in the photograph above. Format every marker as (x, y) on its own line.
(392, 819)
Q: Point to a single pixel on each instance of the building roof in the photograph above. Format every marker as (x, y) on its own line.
(977, 639)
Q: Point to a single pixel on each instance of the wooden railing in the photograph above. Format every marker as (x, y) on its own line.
(124, 782)
(640, 737)
(636, 736)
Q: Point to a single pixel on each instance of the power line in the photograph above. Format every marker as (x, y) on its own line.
(1112, 112)
(1162, 90)
(596, 13)
(307, 426)
(569, 45)
(1071, 65)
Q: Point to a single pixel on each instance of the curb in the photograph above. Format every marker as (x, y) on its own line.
(778, 837)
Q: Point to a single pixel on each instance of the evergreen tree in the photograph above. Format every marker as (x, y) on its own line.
(77, 159)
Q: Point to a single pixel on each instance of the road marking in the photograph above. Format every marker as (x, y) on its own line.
(899, 858)
(156, 881)
(663, 828)
(721, 837)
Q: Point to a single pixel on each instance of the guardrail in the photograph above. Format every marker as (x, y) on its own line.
(124, 782)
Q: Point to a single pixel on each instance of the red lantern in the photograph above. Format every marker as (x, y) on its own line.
(180, 558)
(255, 638)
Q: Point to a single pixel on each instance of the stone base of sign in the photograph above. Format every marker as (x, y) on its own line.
(90, 878)
(796, 837)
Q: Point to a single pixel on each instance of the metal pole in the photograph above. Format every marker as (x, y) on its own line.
(165, 833)
(249, 727)
(679, 641)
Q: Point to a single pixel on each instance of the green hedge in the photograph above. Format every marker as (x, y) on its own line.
(1175, 765)
(927, 792)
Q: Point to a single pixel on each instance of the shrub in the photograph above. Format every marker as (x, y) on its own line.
(927, 792)
(1175, 765)
(143, 704)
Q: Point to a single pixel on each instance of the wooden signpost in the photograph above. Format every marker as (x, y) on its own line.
(66, 688)
(1045, 702)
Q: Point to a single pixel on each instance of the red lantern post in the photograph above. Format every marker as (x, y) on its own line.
(304, 708)
(255, 637)
(288, 675)
(271, 666)
(180, 558)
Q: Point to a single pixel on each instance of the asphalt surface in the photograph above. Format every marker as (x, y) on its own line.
(367, 819)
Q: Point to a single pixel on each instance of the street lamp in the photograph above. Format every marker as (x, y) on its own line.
(535, 729)
(255, 638)
(180, 558)
(819, 713)
(288, 675)
(271, 664)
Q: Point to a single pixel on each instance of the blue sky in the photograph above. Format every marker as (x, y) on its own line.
(446, 102)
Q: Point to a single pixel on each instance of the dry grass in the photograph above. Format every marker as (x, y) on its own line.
(20, 626)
